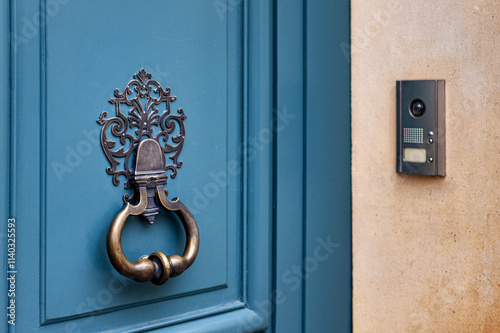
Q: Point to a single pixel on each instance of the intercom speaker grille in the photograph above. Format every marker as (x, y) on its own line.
(413, 135)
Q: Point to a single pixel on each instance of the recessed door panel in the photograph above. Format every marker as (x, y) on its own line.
(84, 52)
(91, 49)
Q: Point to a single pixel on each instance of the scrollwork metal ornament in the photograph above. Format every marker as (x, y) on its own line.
(143, 114)
(148, 175)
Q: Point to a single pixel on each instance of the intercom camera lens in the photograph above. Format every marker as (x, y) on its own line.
(417, 108)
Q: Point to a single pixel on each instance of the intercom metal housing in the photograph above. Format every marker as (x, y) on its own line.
(420, 127)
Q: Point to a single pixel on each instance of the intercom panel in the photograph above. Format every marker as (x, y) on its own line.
(420, 127)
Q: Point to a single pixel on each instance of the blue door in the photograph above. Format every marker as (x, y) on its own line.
(265, 165)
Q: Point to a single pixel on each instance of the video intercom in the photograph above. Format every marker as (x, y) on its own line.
(420, 127)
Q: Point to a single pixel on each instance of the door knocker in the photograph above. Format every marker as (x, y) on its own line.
(148, 174)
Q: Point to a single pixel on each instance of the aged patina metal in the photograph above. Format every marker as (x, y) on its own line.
(148, 175)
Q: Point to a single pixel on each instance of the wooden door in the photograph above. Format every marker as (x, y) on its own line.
(266, 165)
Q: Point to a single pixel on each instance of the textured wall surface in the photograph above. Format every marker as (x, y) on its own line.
(426, 250)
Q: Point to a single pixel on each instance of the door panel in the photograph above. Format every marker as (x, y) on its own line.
(86, 51)
(184, 49)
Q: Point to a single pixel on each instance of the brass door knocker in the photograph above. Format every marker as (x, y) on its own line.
(148, 176)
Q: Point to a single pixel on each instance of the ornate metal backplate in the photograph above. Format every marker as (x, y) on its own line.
(146, 173)
(142, 98)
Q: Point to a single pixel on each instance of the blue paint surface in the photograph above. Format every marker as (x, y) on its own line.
(266, 168)
(328, 164)
(313, 189)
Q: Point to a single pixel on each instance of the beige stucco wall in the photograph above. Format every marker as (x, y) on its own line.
(426, 250)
